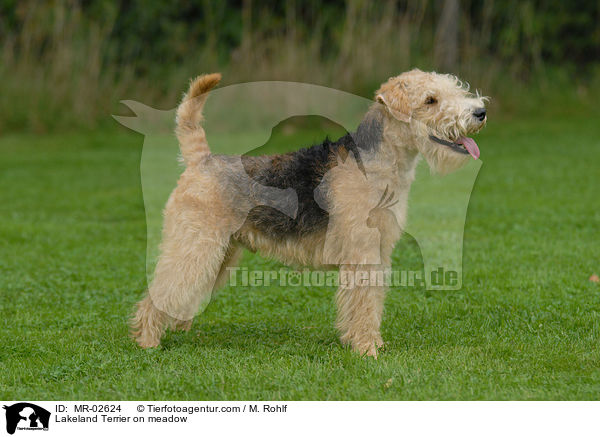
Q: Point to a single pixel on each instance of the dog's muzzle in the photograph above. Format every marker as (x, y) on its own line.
(464, 145)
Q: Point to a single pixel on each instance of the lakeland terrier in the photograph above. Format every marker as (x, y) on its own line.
(214, 211)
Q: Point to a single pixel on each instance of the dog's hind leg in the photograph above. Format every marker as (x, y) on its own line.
(232, 257)
(185, 276)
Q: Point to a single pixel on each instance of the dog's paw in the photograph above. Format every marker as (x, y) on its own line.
(369, 348)
(147, 342)
(368, 351)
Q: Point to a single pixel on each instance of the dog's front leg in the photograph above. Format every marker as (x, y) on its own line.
(360, 299)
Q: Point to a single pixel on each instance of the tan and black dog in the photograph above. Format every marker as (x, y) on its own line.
(214, 212)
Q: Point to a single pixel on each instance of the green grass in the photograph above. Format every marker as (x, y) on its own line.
(524, 326)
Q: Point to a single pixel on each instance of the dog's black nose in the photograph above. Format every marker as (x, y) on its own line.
(479, 113)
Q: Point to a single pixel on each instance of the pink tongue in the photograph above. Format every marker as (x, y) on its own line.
(470, 145)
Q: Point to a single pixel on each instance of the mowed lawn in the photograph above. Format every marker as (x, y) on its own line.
(525, 325)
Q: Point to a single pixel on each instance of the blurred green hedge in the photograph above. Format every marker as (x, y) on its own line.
(56, 54)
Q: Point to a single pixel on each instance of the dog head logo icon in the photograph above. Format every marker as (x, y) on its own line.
(26, 416)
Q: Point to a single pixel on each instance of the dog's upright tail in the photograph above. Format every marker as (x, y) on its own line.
(192, 140)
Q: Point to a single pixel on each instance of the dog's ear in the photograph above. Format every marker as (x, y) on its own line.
(396, 101)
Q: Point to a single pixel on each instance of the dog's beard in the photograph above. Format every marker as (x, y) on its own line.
(443, 160)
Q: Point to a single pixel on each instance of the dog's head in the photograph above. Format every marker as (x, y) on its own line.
(440, 114)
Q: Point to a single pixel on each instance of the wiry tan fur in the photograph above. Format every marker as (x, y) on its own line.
(190, 134)
(205, 226)
(450, 118)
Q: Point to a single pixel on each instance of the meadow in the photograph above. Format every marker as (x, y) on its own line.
(525, 324)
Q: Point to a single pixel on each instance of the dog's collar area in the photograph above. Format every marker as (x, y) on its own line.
(454, 146)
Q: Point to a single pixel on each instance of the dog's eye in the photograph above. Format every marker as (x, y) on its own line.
(430, 100)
